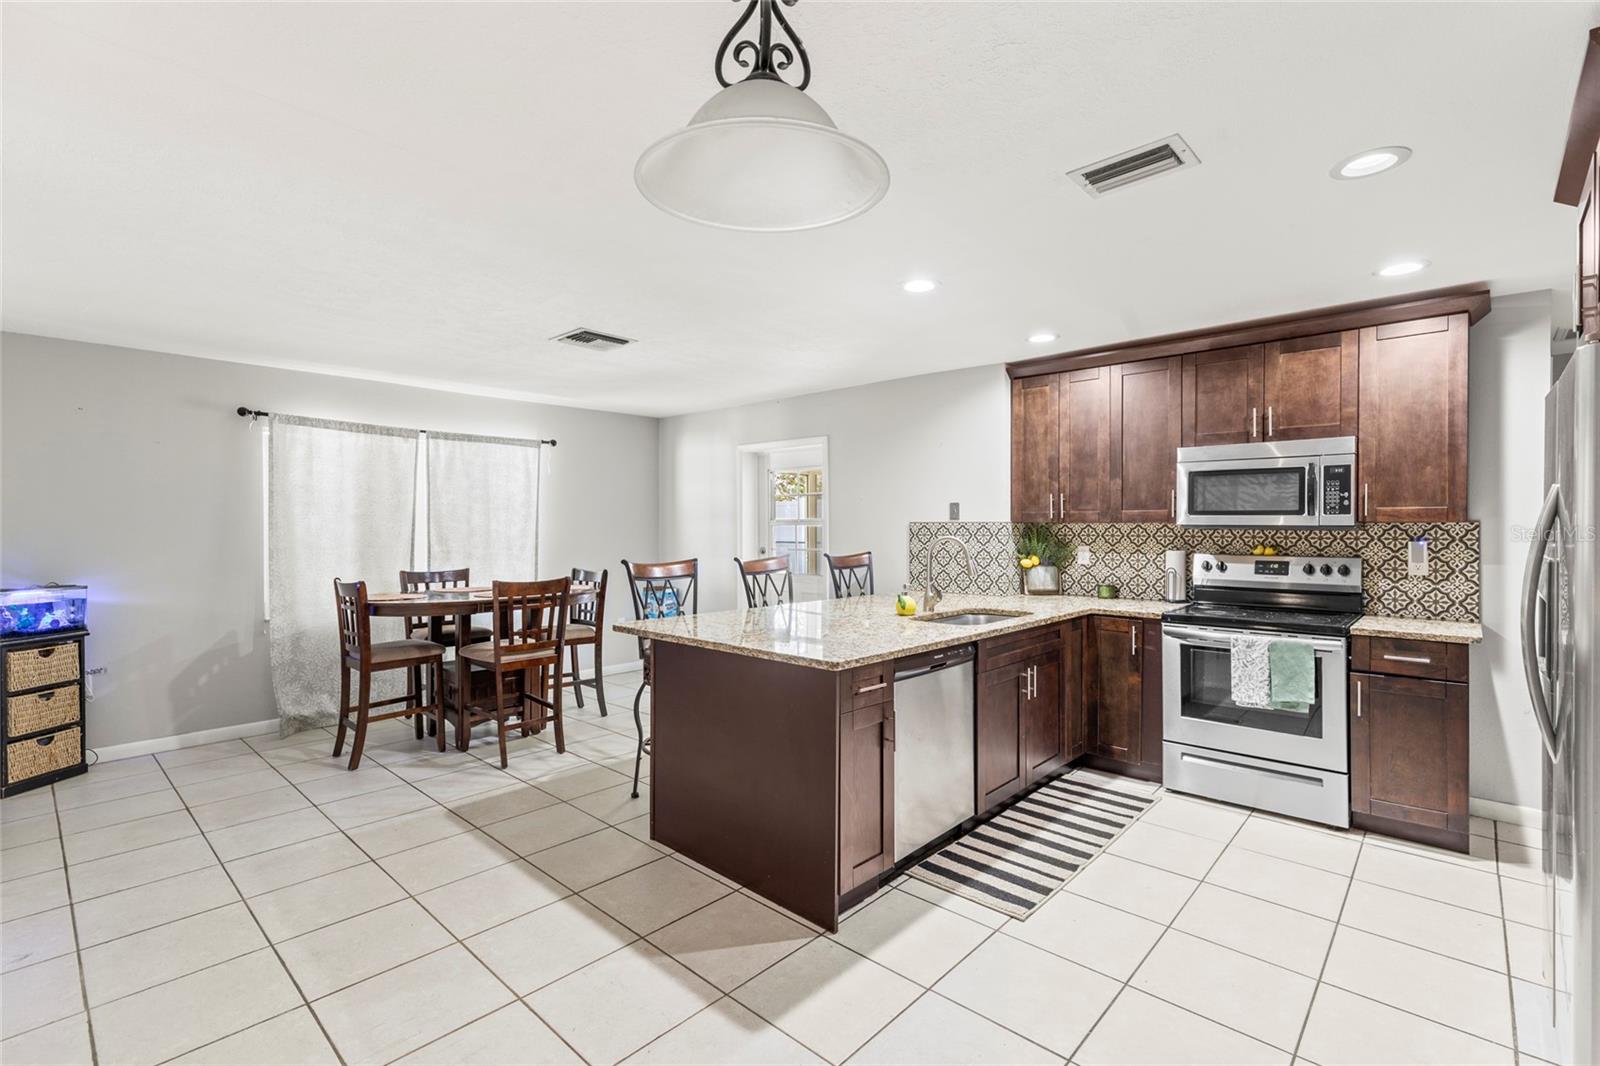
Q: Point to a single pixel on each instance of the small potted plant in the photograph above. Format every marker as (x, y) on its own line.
(1039, 555)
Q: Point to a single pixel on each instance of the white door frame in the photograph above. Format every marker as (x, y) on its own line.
(761, 447)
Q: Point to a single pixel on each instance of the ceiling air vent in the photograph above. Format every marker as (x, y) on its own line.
(1125, 168)
(592, 339)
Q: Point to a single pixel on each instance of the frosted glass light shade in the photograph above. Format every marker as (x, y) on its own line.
(762, 155)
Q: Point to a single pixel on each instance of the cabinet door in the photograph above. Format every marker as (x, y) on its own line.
(1589, 259)
(1035, 448)
(866, 794)
(1146, 423)
(1408, 750)
(1309, 385)
(1147, 651)
(1075, 710)
(1044, 737)
(1087, 491)
(1222, 396)
(1412, 443)
(1116, 690)
(1002, 767)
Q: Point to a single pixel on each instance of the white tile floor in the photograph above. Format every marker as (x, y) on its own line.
(252, 902)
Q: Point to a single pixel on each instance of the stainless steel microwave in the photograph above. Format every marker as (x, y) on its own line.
(1276, 483)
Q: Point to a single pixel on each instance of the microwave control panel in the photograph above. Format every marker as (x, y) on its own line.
(1338, 489)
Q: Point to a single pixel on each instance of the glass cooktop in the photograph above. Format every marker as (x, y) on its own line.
(1264, 619)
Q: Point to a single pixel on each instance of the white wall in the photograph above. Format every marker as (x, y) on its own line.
(129, 471)
(1509, 374)
(898, 451)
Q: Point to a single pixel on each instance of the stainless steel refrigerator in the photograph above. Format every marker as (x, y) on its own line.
(1561, 653)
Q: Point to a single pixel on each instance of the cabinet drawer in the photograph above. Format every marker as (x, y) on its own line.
(35, 667)
(42, 710)
(1431, 659)
(27, 759)
(868, 686)
(1000, 652)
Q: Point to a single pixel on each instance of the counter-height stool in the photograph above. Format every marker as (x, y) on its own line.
(767, 582)
(586, 623)
(357, 653)
(659, 590)
(530, 628)
(851, 574)
(432, 581)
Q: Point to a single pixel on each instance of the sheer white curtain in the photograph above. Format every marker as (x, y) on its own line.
(341, 500)
(483, 506)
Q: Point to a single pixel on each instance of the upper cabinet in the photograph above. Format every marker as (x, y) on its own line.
(1095, 438)
(1411, 448)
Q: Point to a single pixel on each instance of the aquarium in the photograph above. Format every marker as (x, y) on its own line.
(43, 609)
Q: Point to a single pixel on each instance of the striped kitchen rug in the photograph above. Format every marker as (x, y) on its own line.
(1026, 853)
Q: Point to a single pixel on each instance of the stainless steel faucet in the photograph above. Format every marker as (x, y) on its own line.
(932, 594)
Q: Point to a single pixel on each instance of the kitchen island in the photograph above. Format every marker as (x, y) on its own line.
(773, 729)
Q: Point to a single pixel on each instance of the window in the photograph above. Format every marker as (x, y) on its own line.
(796, 509)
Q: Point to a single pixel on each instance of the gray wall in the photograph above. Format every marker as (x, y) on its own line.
(128, 470)
(1509, 374)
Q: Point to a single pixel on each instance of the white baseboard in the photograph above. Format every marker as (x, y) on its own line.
(186, 740)
(246, 729)
(1505, 812)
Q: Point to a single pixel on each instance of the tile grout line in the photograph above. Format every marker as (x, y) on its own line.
(1338, 923)
(1505, 937)
(77, 945)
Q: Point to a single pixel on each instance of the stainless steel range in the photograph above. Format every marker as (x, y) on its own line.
(1288, 757)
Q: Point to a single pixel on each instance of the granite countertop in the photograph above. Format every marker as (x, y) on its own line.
(1418, 629)
(844, 634)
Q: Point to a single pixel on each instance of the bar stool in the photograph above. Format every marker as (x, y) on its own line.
(358, 653)
(530, 627)
(767, 582)
(851, 574)
(586, 625)
(659, 590)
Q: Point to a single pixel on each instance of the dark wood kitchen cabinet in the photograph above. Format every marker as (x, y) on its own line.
(1002, 767)
(1146, 424)
(866, 793)
(1022, 728)
(1035, 448)
(1222, 397)
(1115, 688)
(1088, 488)
(1074, 705)
(1309, 386)
(1412, 442)
(1408, 756)
(1044, 736)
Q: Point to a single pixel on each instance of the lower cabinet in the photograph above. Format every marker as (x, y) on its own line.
(1122, 691)
(1023, 729)
(1002, 766)
(866, 793)
(1408, 751)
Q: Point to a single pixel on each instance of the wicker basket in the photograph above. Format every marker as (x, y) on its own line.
(42, 710)
(50, 664)
(26, 759)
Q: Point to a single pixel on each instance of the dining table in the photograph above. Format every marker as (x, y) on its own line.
(439, 606)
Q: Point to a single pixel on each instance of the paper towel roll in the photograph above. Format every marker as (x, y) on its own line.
(1177, 576)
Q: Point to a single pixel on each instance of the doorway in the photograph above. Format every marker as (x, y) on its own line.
(783, 508)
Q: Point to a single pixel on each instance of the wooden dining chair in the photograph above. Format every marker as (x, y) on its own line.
(851, 574)
(530, 629)
(767, 582)
(359, 654)
(658, 590)
(432, 580)
(587, 625)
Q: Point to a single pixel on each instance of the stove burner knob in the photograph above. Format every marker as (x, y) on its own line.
(1344, 570)
(1326, 569)
(1206, 566)
(1222, 567)
(1308, 568)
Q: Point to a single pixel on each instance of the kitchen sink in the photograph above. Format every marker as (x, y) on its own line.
(975, 618)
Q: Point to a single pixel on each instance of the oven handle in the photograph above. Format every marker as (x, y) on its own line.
(1222, 638)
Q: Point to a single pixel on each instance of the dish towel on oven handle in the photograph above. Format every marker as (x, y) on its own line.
(1292, 668)
(1248, 659)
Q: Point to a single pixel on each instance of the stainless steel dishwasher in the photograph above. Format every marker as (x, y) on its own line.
(935, 761)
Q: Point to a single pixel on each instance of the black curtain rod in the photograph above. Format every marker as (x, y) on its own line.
(245, 412)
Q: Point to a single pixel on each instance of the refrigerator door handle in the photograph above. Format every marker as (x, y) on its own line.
(1532, 575)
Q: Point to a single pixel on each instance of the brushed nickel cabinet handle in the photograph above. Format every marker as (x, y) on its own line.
(872, 688)
(1252, 423)
(1409, 659)
(1172, 508)
(1133, 639)
(1052, 505)
(1269, 420)
(1358, 699)
(1061, 509)
(1366, 499)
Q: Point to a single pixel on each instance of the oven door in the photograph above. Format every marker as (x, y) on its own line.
(1267, 491)
(1197, 706)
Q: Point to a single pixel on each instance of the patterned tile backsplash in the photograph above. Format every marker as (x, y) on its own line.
(1130, 556)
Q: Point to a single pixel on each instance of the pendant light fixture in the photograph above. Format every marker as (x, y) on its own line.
(761, 155)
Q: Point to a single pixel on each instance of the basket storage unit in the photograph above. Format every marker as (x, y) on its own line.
(41, 708)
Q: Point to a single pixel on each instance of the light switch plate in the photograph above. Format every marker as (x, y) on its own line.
(955, 512)
(1417, 558)
(1085, 556)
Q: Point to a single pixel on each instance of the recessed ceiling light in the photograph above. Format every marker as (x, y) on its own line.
(1372, 161)
(1401, 268)
(1041, 338)
(920, 285)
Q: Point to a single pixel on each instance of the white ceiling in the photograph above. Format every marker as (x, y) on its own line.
(425, 192)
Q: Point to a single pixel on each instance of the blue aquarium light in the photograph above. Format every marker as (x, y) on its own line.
(43, 609)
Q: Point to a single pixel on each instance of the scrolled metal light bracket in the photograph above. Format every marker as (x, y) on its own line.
(763, 57)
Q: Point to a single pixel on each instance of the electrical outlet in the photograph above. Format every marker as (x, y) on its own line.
(955, 512)
(1085, 556)
(1417, 558)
